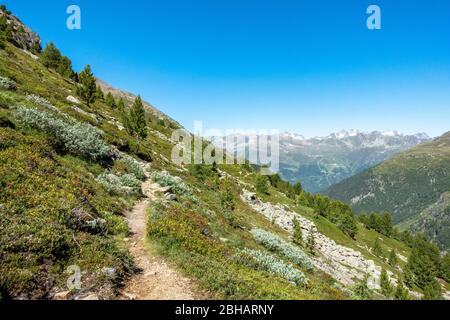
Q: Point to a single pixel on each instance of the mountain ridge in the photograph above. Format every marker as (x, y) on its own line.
(320, 162)
(405, 185)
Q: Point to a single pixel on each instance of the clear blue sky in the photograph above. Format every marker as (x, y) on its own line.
(310, 67)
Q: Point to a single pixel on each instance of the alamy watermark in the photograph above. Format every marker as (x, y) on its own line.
(73, 22)
(74, 280)
(374, 19)
(373, 22)
(232, 146)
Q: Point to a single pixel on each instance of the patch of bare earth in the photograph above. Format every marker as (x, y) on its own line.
(156, 279)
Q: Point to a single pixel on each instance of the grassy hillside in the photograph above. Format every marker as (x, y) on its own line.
(54, 212)
(405, 185)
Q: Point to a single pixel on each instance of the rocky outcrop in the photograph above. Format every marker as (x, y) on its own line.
(22, 36)
(342, 263)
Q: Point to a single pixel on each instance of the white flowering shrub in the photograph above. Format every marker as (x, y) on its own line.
(126, 184)
(277, 244)
(274, 265)
(133, 166)
(8, 84)
(176, 183)
(77, 138)
(38, 100)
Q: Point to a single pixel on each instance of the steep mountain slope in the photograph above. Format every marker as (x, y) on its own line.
(434, 222)
(405, 185)
(70, 172)
(324, 161)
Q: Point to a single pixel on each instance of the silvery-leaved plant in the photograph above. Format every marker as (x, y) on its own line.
(276, 244)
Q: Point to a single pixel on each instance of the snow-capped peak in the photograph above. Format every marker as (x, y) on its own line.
(391, 133)
(293, 136)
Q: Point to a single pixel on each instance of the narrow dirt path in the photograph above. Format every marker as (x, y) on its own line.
(157, 280)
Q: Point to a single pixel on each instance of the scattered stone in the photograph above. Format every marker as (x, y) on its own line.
(63, 295)
(91, 297)
(73, 99)
(130, 296)
(110, 272)
(344, 264)
(170, 197)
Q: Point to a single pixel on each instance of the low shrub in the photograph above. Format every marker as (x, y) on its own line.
(274, 265)
(276, 244)
(126, 184)
(128, 164)
(7, 83)
(38, 100)
(176, 183)
(75, 137)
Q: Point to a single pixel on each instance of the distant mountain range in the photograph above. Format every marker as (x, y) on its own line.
(321, 162)
(414, 186)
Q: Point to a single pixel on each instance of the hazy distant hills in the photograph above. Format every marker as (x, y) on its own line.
(413, 186)
(321, 162)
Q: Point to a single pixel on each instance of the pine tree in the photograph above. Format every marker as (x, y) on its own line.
(51, 56)
(385, 284)
(261, 184)
(376, 249)
(401, 293)
(136, 123)
(409, 277)
(362, 289)
(298, 235)
(311, 243)
(99, 94)
(393, 261)
(121, 105)
(445, 267)
(110, 101)
(432, 291)
(65, 67)
(87, 87)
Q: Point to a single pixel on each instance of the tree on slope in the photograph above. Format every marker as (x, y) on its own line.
(393, 261)
(110, 101)
(401, 293)
(385, 284)
(376, 249)
(433, 291)
(99, 94)
(87, 87)
(136, 123)
(298, 235)
(261, 184)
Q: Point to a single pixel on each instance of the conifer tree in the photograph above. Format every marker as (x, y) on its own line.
(401, 293)
(136, 123)
(377, 250)
(261, 184)
(432, 291)
(99, 94)
(51, 56)
(362, 289)
(393, 261)
(87, 87)
(311, 243)
(121, 105)
(409, 277)
(110, 101)
(445, 267)
(385, 284)
(297, 236)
